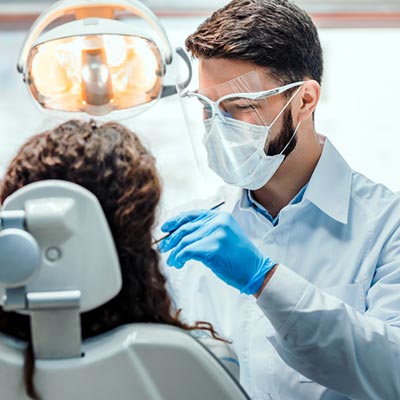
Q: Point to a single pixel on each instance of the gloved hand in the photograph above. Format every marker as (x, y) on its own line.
(216, 239)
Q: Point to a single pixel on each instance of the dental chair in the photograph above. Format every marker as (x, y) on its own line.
(57, 260)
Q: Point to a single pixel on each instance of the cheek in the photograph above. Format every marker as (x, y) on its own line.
(269, 111)
(254, 119)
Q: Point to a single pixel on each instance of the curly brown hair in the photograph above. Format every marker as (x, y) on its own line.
(111, 162)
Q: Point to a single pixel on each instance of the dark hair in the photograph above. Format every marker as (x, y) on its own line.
(270, 33)
(112, 163)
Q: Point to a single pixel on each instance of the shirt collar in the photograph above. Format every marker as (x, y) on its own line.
(329, 188)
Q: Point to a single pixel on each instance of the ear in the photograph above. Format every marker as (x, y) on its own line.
(308, 100)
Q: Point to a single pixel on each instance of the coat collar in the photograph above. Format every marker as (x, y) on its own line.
(329, 187)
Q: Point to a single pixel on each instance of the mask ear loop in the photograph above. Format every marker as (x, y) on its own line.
(286, 105)
(290, 140)
(280, 113)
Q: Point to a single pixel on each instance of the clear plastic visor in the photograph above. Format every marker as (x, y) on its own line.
(242, 99)
(95, 74)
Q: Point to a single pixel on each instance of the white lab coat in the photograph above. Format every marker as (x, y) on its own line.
(327, 325)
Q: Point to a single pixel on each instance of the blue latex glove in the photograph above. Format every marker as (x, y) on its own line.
(216, 239)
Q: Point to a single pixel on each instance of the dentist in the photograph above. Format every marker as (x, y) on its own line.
(307, 251)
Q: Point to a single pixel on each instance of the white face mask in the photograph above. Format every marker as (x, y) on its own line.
(235, 151)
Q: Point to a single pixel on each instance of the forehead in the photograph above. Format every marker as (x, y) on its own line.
(217, 71)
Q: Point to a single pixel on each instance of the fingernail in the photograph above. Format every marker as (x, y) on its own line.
(166, 226)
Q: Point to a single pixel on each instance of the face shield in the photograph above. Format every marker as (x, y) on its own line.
(229, 125)
(96, 64)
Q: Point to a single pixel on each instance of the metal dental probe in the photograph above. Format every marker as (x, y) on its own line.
(171, 232)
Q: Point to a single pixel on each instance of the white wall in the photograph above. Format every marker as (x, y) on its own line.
(358, 111)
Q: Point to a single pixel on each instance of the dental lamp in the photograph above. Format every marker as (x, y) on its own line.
(97, 64)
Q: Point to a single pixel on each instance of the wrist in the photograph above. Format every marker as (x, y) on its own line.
(257, 280)
(267, 278)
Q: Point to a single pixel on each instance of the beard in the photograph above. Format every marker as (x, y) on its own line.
(284, 136)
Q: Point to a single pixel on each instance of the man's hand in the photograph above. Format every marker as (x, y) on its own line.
(216, 239)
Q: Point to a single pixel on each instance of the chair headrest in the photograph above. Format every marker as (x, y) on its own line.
(64, 243)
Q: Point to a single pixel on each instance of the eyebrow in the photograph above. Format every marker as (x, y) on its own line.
(233, 99)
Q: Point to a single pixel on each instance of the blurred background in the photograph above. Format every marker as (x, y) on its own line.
(358, 110)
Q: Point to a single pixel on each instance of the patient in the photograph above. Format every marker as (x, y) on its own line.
(111, 162)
